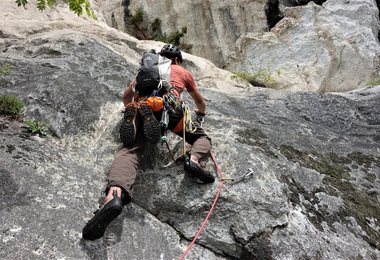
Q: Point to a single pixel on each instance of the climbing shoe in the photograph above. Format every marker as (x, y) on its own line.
(152, 128)
(128, 126)
(96, 226)
(198, 171)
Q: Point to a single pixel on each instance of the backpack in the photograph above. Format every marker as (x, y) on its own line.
(154, 73)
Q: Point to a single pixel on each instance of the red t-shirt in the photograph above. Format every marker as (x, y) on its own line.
(181, 78)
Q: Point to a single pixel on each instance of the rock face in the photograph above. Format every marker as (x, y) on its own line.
(213, 26)
(333, 46)
(313, 192)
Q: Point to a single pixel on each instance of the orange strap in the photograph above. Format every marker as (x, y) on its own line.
(178, 127)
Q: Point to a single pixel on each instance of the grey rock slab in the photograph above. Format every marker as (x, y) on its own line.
(64, 79)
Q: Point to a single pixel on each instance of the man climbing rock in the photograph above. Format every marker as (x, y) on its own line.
(141, 126)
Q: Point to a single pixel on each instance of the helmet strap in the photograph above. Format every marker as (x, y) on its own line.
(176, 61)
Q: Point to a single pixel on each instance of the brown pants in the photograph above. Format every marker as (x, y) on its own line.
(124, 168)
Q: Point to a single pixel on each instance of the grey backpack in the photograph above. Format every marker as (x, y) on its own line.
(154, 73)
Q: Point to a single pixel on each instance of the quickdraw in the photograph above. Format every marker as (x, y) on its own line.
(245, 176)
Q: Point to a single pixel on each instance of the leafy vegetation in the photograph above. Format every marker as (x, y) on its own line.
(156, 28)
(374, 82)
(36, 127)
(142, 30)
(175, 38)
(11, 106)
(136, 26)
(260, 78)
(76, 6)
(5, 70)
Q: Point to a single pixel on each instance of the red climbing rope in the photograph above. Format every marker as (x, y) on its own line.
(211, 209)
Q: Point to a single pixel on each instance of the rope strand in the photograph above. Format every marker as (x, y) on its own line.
(182, 257)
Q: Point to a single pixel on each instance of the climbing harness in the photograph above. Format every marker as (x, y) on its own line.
(182, 257)
(170, 102)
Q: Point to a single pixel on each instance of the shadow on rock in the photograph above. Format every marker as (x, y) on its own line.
(10, 194)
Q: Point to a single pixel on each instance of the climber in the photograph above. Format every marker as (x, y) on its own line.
(123, 171)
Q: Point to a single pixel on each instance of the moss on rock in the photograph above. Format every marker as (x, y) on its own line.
(359, 202)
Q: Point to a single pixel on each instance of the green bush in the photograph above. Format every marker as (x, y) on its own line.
(373, 83)
(75, 6)
(36, 127)
(186, 47)
(11, 106)
(136, 25)
(138, 18)
(175, 38)
(5, 70)
(156, 26)
(140, 29)
(260, 78)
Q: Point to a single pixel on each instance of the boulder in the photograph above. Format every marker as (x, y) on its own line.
(328, 48)
(319, 46)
